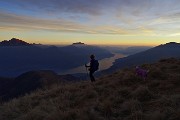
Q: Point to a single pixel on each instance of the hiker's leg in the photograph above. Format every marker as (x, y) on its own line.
(91, 76)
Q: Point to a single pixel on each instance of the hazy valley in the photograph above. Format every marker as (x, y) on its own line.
(17, 58)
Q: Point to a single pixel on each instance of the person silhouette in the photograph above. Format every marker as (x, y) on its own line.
(92, 68)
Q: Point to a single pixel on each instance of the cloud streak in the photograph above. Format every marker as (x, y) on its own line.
(97, 7)
(69, 6)
(16, 22)
(123, 17)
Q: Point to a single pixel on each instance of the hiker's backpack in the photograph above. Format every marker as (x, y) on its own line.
(95, 65)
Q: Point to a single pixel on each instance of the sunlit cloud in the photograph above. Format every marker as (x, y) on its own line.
(15, 22)
(12, 21)
(175, 34)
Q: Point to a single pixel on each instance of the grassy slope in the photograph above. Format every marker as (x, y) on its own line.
(121, 96)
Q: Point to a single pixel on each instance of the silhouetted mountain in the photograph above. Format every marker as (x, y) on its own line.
(78, 44)
(14, 42)
(133, 50)
(127, 50)
(18, 59)
(30, 81)
(168, 50)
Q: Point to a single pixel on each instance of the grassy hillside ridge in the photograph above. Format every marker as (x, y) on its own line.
(119, 96)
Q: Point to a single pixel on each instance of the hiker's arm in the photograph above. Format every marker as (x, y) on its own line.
(87, 65)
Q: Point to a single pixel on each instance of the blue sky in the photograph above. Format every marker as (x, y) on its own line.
(116, 22)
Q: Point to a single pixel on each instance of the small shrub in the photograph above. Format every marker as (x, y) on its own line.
(155, 115)
(142, 94)
(157, 74)
(154, 84)
(136, 115)
(124, 92)
(130, 106)
(89, 94)
(107, 108)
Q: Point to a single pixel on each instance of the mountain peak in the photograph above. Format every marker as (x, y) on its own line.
(170, 44)
(78, 44)
(14, 42)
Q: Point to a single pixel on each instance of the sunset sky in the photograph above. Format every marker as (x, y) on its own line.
(112, 22)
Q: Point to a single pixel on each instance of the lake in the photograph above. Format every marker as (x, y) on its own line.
(103, 65)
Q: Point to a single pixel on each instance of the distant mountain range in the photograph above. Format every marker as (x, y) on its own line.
(127, 50)
(30, 81)
(17, 56)
(132, 50)
(168, 50)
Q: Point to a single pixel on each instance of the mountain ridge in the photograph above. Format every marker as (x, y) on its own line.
(30, 81)
(163, 51)
(14, 42)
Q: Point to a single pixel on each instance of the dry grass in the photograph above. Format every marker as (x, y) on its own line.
(120, 96)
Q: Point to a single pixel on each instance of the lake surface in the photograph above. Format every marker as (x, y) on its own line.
(103, 64)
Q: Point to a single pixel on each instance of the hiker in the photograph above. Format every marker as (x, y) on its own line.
(94, 66)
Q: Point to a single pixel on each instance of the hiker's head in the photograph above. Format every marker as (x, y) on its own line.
(92, 56)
